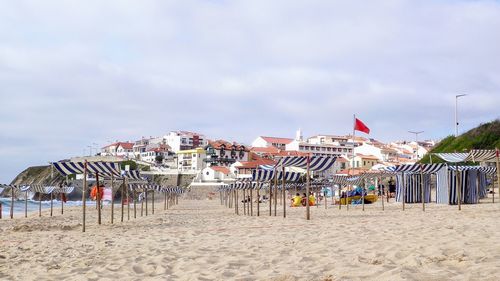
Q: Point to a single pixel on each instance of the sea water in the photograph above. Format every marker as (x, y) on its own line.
(19, 205)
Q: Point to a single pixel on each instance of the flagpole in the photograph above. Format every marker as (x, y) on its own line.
(352, 166)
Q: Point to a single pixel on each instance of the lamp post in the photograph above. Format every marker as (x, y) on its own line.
(456, 114)
(416, 140)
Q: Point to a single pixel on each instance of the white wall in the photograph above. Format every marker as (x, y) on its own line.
(259, 142)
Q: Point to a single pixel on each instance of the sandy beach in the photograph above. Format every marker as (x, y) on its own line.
(202, 240)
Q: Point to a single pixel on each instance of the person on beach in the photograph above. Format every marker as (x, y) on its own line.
(312, 199)
(297, 200)
(392, 187)
(93, 192)
(303, 199)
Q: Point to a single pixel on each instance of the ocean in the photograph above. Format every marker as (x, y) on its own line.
(33, 206)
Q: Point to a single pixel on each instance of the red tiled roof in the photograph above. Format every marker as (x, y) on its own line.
(268, 150)
(125, 145)
(277, 140)
(224, 170)
(366, 156)
(227, 145)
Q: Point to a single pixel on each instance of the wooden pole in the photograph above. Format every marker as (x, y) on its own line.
(135, 204)
(122, 200)
(98, 198)
(147, 191)
(422, 185)
(142, 204)
(244, 202)
(12, 203)
(284, 194)
(153, 202)
(128, 198)
(51, 204)
(83, 194)
(258, 198)
(112, 199)
(165, 201)
(251, 200)
(308, 211)
(276, 192)
(26, 203)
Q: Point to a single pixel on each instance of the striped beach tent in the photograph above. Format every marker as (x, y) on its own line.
(412, 183)
(268, 175)
(103, 168)
(475, 155)
(63, 189)
(38, 188)
(472, 184)
(317, 163)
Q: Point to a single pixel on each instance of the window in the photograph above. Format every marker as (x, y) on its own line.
(364, 163)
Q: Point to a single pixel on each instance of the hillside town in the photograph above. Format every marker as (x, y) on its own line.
(221, 161)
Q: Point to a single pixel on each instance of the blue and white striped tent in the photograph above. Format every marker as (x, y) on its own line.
(473, 184)
(409, 177)
(477, 155)
(103, 168)
(316, 163)
(268, 175)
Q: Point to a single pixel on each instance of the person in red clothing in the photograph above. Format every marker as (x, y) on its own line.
(93, 192)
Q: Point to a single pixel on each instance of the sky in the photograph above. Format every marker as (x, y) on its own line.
(75, 74)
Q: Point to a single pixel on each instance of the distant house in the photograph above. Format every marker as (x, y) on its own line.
(223, 153)
(364, 161)
(216, 174)
(121, 149)
(154, 153)
(279, 143)
(184, 140)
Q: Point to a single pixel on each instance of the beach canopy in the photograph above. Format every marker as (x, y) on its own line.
(155, 187)
(103, 168)
(316, 163)
(419, 168)
(476, 155)
(267, 175)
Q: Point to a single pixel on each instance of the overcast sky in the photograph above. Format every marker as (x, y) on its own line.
(73, 73)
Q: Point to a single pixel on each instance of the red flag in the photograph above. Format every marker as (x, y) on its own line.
(360, 126)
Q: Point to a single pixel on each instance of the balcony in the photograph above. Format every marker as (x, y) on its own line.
(219, 160)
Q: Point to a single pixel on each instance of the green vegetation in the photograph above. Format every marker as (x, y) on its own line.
(485, 136)
(131, 163)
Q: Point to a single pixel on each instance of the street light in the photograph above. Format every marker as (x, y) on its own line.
(416, 140)
(456, 115)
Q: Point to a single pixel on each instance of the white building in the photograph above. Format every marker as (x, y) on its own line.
(320, 149)
(153, 154)
(120, 149)
(191, 161)
(183, 140)
(216, 174)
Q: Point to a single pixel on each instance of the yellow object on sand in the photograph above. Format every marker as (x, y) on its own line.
(370, 198)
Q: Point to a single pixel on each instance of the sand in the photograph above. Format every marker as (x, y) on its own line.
(202, 240)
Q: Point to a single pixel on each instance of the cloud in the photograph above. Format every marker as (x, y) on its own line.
(74, 73)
